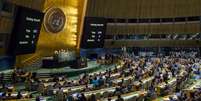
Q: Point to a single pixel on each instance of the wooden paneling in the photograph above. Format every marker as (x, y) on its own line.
(167, 28)
(1, 3)
(152, 43)
(34, 4)
(5, 25)
(143, 8)
(2, 51)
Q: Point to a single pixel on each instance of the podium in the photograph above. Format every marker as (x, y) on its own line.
(79, 63)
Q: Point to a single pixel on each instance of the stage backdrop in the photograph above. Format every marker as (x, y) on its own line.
(69, 13)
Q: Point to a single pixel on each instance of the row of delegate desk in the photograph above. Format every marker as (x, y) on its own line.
(75, 88)
(196, 85)
(44, 86)
(13, 95)
(101, 92)
(46, 83)
(112, 89)
(171, 83)
(10, 93)
(146, 82)
(60, 78)
(130, 96)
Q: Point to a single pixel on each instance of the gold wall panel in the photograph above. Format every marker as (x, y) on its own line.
(66, 39)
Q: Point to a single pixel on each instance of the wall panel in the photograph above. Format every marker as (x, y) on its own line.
(48, 42)
(151, 43)
(167, 28)
(143, 8)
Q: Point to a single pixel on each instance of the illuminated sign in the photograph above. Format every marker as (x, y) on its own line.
(26, 31)
(93, 32)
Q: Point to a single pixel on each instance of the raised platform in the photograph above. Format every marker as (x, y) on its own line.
(92, 67)
(69, 72)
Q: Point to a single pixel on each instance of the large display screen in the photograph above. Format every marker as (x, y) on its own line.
(93, 32)
(26, 31)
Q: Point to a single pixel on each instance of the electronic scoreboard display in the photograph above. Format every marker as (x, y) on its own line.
(93, 32)
(26, 31)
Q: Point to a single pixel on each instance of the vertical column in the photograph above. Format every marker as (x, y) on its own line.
(1, 4)
(84, 5)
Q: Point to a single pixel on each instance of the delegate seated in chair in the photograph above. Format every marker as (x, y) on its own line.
(60, 95)
(118, 91)
(119, 98)
(57, 85)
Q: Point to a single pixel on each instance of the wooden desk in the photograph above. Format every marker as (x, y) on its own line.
(13, 95)
(194, 86)
(101, 91)
(45, 79)
(132, 95)
(166, 98)
(72, 89)
(112, 89)
(161, 86)
(52, 83)
(116, 81)
(171, 83)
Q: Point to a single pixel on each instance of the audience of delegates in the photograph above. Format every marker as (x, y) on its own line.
(193, 96)
(20, 75)
(136, 69)
(165, 69)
